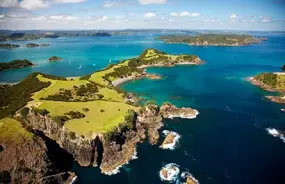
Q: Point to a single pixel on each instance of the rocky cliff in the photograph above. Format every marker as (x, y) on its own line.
(28, 158)
(96, 150)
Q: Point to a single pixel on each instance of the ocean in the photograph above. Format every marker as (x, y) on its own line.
(226, 144)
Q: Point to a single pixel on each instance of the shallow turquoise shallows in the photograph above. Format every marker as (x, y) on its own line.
(226, 144)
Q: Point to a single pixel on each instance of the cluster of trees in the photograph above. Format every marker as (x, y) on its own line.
(269, 79)
(15, 97)
(63, 95)
(42, 112)
(60, 120)
(123, 71)
(15, 64)
(86, 90)
(75, 114)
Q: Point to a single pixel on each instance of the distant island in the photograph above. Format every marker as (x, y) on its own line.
(54, 58)
(92, 121)
(15, 64)
(8, 46)
(212, 39)
(31, 45)
(274, 82)
(54, 34)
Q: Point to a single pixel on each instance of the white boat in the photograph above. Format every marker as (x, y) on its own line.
(110, 60)
(80, 67)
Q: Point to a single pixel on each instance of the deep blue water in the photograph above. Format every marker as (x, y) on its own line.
(226, 143)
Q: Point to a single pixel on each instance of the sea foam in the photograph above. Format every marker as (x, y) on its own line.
(276, 133)
(172, 145)
(117, 169)
(169, 173)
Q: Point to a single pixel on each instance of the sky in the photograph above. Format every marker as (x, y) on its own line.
(255, 15)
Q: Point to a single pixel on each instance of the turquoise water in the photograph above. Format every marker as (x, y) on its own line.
(226, 143)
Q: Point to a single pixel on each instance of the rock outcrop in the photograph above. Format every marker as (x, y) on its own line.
(32, 45)
(170, 111)
(54, 58)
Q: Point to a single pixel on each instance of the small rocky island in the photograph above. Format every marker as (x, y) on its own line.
(15, 64)
(84, 119)
(212, 39)
(32, 45)
(54, 58)
(8, 46)
(273, 82)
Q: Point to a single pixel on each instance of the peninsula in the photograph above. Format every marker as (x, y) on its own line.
(15, 64)
(212, 39)
(91, 120)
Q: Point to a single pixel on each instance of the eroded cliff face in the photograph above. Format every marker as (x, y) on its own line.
(32, 161)
(96, 150)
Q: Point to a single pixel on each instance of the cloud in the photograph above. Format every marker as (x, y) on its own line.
(212, 20)
(265, 19)
(111, 4)
(233, 16)
(69, 1)
(149, 14)
(8, 3)
(2, 16)
(62, 17)
(33, 4)
(185, 14)
(146, 2)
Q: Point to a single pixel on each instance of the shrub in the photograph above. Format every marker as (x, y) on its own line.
(60, 120)
(75, 114)
(130, 119)
(24, 111)
(102, 110)
(100, 96)
(85, 109)
(71, 135)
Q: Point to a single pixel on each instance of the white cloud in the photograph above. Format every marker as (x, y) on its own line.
(185, 14)
(8, 3)
(2, 16)
(63, 17)
(265, 19)
(212, 20)
(149, 14)
(145, 2)
(69, 1)
(233, 16)
(111, 4)
(33, 4)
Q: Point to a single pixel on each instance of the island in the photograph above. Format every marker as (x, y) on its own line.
(88, 119)
(8, 46)
(212, 39)
(15, 64)
(31, 45)
(273, 82)
(54, 58)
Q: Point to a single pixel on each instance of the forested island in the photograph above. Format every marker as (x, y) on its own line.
(212, 39)
(54, 58)
(9, 46)
(274, 82)
(47, 122)
(15, 64)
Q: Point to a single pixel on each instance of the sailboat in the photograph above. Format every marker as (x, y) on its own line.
(80, 66)
(110, 60)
